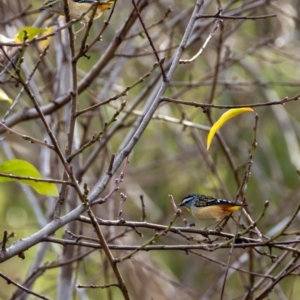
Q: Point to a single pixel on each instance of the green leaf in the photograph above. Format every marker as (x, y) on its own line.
(23, 168)
(29, 32)
(223, 119)
(4, 97)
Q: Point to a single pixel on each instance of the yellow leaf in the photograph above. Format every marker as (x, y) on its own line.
(43, 44)
(29, 32)
(223, 119)
(4, 97)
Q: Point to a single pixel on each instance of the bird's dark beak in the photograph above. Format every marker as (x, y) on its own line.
(180, 204)
(42, 8)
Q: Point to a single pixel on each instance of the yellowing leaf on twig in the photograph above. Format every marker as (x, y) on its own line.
(4, 97)
(18, 169)
(44, 43)
(29, 32)
(223, 119)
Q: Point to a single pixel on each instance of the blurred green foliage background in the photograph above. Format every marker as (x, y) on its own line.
(246, 62)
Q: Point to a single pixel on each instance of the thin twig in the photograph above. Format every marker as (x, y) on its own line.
(216, 26)
(10, 281)
(204, 105)
(118, 181)
(124, 92)
(179, 211)
(109, 255)
(182, 247)
(281, 232)
(27, 137)
(93, 286)
(236, 17)
(4, 240)
(149, 39)
(151, 240)
(123, 199)
(29, 178)
(98, 136)
(143, 208)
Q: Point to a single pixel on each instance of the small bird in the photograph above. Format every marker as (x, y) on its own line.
(77, 8)
(206, 207)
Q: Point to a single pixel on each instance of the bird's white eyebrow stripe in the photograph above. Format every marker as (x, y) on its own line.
(187, 199)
